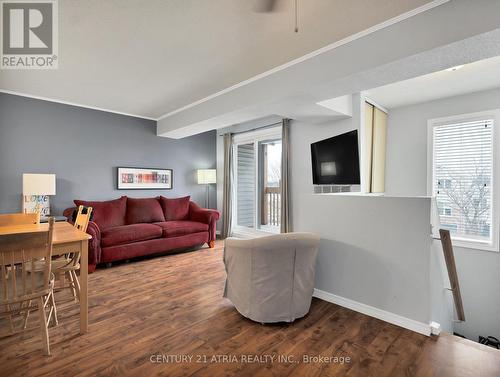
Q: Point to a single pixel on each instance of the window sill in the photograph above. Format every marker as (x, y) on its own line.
(473, 245)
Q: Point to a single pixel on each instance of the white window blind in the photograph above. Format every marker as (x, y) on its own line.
(463, 178)
(245, 173)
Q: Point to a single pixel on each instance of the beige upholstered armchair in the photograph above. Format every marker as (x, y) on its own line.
(271, 279)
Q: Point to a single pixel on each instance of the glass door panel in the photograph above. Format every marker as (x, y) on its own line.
(245, 189)
(270, 185)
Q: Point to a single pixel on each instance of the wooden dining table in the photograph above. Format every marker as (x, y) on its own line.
(66, 239)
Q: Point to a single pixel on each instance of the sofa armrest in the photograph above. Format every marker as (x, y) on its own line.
(68, 213)
(94, 243)
(206, 216)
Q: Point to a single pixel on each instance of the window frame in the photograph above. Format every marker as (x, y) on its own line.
(254, 136)
(494, 115)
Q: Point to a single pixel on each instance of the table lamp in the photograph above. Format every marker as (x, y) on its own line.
(207, 177)
(36, 191)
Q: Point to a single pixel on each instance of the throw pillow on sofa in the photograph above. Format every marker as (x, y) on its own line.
(108, 213)
(144, 210)
(175, 209)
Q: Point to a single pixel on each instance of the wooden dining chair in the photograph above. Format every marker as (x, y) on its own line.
(19, 218)
(9, 219)
(22, 291)
(69, 264)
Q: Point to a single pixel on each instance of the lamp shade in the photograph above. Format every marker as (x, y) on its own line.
(207, 176)
(39, 184)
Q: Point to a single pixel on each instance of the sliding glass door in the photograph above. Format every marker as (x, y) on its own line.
(258, 179)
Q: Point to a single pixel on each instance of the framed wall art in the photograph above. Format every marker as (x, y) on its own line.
(144, 178)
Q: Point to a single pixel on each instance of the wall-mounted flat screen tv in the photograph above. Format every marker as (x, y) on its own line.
(335, 161)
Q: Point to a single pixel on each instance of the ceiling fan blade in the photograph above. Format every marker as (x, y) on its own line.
(264, 6)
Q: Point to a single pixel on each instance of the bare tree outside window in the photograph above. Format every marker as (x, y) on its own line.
(469, 195)
(274, 164)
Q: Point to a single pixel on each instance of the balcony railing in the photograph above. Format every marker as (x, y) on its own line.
(271, 207)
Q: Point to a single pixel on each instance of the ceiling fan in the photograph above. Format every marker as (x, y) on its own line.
(269, 6)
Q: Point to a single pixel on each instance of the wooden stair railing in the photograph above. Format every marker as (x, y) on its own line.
(452, 272)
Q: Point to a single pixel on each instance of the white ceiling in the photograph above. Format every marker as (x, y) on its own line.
(443, 36)
(473, 77)
(149, 58)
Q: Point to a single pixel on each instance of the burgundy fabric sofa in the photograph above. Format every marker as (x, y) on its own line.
(125, 228)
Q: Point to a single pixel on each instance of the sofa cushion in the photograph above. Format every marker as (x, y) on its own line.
(109, 213)
(156, 246)
(181, 228)
(146, 210)
(121, 235)
(175, 209)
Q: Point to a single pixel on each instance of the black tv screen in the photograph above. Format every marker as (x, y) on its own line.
(335, 161)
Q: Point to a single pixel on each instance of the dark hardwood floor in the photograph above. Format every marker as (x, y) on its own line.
(144, 314)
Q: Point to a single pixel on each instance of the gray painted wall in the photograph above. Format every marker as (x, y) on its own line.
(406, 174)
(371, 251)
(83, 147)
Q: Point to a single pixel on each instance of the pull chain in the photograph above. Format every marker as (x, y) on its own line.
(296, 17)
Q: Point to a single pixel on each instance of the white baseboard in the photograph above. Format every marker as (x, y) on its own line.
(395, 319)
